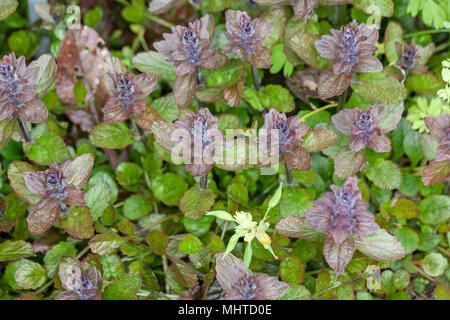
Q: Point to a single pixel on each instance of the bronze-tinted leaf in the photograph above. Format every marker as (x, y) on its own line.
(82, 55)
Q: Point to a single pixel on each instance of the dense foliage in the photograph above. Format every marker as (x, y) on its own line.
(225, 149)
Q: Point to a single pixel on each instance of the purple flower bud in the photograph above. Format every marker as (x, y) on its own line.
(246, 37)
(351, 47)
(362, 128)
(342, 213)
(241, 284)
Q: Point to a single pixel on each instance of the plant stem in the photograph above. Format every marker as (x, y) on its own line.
(317, 111)
(420, 33)
(341, 100)
(48, 284)
(158, 20)
(82, 252)
(25, 131)
(289, 177)
(141, 134)
(256, 80)
(204, 182)
(151, 225)
(176, 260)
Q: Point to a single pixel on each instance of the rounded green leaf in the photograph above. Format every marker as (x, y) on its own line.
(136, 207)
(434, 264)
(384, 174)
(111, 136)
(169, 188)
(157, 241)
(30, 276)
(435, 209)
(190, 244)
(48, 147)
(292, 270)
(124, 288)
(195, 202)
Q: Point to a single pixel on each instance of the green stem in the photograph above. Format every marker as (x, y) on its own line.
(289, 177)
(151, 225)
(341, 100)
(317, 111)
(142, 135)
(421, 33)
(158, 20)
(204, 182)
(48, 284)
(82, 252)
(256, 80)
(25, 131)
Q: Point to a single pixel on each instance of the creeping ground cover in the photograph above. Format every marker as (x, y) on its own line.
(225, 149)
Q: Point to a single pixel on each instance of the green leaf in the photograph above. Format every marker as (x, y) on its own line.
(48, 147)
(7, 127)
(24, 42)
(292, 270)
(79, 223)
(112, 266)
(195, 202)
(199, 227)
(30, 276)
(105, 243)
(277, 18)
(248, 255)
(434, 264)
(408, 238)
(15, 250)
(190, 244)
(166, 107)
(93, 17)
(275, 198)
(400, 279)
(303, 45)
(124, 288)
(347, 162)
(393, 34)
(129, 175)
(384, 8)
(157, 241)
(136, 207)
(427, 83)
(97, 199)
(304, 177)
(318, 139)
(384, 174)
(169, 188)
(225, 76)
(412, 148)
(7, 7)
(47, 73)
(133, 14)
(111, 136)
(216, 5)
(221, 215)
(238, 192)
(154, 62)
(253, 97)
(382, 246)
(231, 244)
(53, 256)
(294, 203)
(296, 292)
(379, 88)
(434, 209)
(277, 97)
